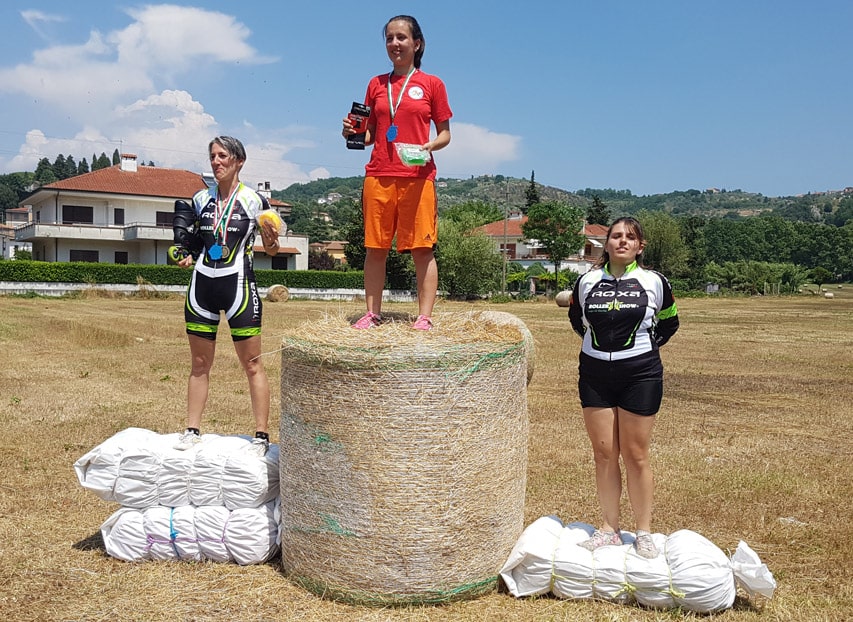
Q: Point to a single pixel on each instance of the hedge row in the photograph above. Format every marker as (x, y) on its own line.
(84, 272)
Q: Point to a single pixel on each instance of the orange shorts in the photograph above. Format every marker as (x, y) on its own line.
(401, 205)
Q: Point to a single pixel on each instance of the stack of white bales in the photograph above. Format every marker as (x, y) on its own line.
(216, 501)
(690, 572)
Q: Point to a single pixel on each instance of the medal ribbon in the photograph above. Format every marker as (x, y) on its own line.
(391, 104)
(223, 215)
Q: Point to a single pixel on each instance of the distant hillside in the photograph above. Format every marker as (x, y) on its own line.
(510, 192)
(496, 190)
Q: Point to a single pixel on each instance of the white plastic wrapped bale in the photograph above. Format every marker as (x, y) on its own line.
(530, 565)
(691, 572)
(139, 468)
(583, 574)
(97, 469)
(215, 533)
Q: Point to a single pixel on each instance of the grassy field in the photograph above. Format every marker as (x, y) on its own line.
(752, 443)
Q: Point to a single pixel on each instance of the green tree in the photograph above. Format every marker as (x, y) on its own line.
(320, 260)
(468, 264)
(83, 167)
(558, 228)
(598, 213)
(70, 167)
(8, 200)
(19, 182)
(472, 214)
(44, 172)
(665, 250)
(116, 157)
(843, 214)
(531, 195)
(820, 275)
(103, 162)
(60, 170)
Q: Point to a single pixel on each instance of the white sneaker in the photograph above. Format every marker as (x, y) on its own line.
(187, 440)
(258, 447)
(645, 546)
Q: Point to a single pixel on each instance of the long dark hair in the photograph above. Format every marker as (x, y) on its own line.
(417, 35)
(635, 227)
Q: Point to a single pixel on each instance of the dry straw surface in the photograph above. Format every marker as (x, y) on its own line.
(752, 443)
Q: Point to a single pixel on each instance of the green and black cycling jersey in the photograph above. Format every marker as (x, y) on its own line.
(622, 318)
(224, 281)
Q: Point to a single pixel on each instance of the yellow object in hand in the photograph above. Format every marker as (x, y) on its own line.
(271, 216)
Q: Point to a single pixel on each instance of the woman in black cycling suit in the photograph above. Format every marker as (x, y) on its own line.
(223, 281)
(624, 313)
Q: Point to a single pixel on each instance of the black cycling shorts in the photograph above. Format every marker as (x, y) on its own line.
(634, 384)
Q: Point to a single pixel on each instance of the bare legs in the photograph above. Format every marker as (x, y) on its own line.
(248, 352)
(426, 270)
(615, 432)
(374, 278)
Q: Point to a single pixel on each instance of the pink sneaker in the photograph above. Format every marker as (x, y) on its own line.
(368, 320)
(601, 538)
(422, 323)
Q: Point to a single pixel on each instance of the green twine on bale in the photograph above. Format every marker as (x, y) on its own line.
(376, 599)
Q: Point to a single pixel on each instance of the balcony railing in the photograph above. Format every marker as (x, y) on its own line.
(79, 231)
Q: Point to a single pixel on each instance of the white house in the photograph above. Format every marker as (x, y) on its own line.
(123, 214)
(15, 217)
(508, 237)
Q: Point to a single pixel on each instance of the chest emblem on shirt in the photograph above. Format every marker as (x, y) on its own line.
(416, 92)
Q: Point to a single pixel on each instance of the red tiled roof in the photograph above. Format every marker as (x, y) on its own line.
(284, 250)
(513, 228)
(149, 181)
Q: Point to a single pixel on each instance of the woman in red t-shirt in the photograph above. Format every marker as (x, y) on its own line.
(399, 186)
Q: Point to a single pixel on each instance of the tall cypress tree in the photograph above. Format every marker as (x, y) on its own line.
(532, 194)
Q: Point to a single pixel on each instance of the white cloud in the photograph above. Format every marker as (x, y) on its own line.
(266, 162)
(35, 19)
(475, 150)
(110, 85)
(175, 38)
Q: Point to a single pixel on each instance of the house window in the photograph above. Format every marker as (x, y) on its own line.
(164, 219)
(279, 262)
(118, 216)
(510, 250)
(121, 257)
(77, 214)
(90, 256)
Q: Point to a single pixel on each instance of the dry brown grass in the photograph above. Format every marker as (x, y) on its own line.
(753, 443)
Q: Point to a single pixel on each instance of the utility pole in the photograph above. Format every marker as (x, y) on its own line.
(505, 250)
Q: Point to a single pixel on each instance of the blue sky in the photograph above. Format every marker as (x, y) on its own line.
(648, 96)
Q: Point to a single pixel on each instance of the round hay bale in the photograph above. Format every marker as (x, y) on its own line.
(828, 295)
(403, 458)
(502, 319)
(278, 293)
(562, 299)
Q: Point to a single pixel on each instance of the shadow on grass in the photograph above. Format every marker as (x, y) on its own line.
(95, 542)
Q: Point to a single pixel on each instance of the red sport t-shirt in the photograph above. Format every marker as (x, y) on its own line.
(423, 102)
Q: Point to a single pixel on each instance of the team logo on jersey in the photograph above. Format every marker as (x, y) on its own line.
(416, 92)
